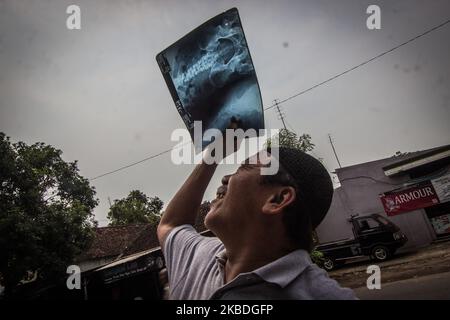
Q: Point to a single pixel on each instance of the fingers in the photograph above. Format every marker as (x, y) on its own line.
(235, 123)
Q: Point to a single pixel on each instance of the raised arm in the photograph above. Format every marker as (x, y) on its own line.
(184, 206)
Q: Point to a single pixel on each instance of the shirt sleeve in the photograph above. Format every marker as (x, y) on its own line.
(179, 250)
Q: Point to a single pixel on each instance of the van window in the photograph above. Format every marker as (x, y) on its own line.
(369, 223)
(383, 220)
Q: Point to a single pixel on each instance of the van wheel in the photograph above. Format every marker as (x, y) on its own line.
(328, 264)
(380, 253)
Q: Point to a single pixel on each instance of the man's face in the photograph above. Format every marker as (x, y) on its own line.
(239, 199)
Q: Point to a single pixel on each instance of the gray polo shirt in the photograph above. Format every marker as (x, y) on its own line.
(195, 266)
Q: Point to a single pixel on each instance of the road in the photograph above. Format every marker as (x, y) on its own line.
(431, 287)
(434, 259)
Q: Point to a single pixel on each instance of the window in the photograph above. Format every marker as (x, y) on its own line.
(383, 220)
(367, 224)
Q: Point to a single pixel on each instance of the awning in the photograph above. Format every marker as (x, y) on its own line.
(417, 161)
(132, 265)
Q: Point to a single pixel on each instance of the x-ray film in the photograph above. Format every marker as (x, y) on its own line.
(211, 77)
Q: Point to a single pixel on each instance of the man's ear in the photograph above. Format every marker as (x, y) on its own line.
(278, 200)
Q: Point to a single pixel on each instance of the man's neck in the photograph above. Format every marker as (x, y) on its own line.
(248, 257)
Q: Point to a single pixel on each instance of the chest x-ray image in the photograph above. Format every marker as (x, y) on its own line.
(211, 77)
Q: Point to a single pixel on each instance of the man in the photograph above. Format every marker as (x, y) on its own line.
(263, 225)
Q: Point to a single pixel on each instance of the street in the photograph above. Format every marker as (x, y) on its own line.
(434, 259)
(431, 287)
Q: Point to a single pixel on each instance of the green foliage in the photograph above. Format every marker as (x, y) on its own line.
(290, 139)
(135, 208)
(317, 257)
(46, 215)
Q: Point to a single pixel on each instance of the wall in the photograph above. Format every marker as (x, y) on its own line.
(359, 194)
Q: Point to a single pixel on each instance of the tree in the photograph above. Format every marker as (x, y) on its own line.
(135, 208)
(290, 139)
(46, 217)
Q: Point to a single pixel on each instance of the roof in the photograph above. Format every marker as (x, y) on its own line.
(122, 241)
(113, 241)
(397, 160)
(417, 159)
(128, 259)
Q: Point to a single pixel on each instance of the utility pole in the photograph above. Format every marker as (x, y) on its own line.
(334, 150)
(280, 113)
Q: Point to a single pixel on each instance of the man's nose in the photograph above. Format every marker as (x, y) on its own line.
(225, 179)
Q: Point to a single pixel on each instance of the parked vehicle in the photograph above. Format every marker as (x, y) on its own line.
(374, 236)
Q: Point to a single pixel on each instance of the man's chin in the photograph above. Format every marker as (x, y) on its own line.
(211, 218)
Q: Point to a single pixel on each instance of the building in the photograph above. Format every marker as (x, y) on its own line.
(124, 262)
(112, 243)
(412, 190)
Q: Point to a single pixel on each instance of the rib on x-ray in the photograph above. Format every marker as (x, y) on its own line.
(211, 76)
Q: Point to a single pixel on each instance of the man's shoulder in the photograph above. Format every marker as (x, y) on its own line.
(318, 285)
(187, 238)
(191, 263)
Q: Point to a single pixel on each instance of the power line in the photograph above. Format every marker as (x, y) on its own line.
(361, 64)
(134, 163)
(276, 104)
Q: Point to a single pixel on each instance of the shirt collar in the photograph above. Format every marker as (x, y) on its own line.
(281, 271)
(221, 259)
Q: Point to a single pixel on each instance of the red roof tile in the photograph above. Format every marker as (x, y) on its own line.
(125, 240)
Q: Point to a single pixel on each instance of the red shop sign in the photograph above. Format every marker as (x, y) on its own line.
(420, 196)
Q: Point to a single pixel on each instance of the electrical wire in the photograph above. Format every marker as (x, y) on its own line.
(138, 162)
(360, 65)
(293, 96)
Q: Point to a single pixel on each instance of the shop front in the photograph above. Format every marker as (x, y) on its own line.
(432, 195)
(132, 278)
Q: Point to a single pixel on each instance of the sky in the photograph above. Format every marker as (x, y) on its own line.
(98, 95)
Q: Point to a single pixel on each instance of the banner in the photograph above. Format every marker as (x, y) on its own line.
(421, 195)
